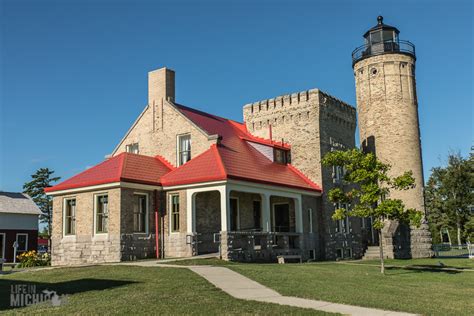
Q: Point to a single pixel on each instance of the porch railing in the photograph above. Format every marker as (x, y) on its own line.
(260, 246)
(453, 251)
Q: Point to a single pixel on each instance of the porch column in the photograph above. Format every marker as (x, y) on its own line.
(225, 215)
(191, 211)
(298, 215)
(266, 224)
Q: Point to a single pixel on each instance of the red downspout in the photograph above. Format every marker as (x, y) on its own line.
(157, 220)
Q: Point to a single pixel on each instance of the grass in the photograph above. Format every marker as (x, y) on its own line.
(428, 292)
(138, 290)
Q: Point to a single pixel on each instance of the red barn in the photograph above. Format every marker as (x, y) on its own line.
(18, 222)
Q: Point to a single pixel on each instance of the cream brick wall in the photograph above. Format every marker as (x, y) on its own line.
(86, 246)
(156, 132)
(387, 108)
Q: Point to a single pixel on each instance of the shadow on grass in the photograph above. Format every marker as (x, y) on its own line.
(68, 287)
(426, 268)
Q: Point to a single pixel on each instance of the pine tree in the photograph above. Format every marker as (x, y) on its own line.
(35, 189)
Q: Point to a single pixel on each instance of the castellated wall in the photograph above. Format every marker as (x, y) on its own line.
(388, 124)
(314, 123)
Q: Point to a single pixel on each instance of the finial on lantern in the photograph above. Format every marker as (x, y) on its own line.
(380, 20)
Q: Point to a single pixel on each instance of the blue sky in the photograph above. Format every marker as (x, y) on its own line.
(74, 73)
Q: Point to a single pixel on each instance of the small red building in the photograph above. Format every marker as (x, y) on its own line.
(18, 222)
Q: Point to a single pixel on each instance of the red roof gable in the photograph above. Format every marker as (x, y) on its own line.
(234, 158)
(126, 167)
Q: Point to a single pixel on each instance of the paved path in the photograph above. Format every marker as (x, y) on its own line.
(242, 287)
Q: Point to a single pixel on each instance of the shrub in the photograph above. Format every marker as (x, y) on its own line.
(33, 259)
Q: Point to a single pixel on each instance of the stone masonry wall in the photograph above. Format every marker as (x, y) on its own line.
(86, 246)
(388, 124)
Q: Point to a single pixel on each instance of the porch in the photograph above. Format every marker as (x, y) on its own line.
(249, 222)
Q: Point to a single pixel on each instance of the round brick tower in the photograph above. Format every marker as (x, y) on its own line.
(387, 107)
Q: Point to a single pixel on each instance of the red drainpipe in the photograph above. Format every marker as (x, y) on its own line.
(157, 221)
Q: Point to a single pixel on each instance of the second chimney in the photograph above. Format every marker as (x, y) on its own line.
(160, 85)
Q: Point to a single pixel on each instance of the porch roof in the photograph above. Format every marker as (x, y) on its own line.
(126, 167)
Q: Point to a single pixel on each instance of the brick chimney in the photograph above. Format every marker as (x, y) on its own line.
(160, 85)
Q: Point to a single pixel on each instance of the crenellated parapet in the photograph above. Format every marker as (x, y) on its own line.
(298, 108)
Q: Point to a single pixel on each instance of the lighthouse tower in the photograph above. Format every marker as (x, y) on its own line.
(387, 107)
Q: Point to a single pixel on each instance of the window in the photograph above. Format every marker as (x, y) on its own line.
(184, 149)
(338, 173)
(342, 225)
(339, 253)
(22, 242)
(2, 245)
(70, 217)
(102, 214)
(281, 156)
(347, 252)
(132, 148)
(363, 223)
(174, 213)
(140, 213)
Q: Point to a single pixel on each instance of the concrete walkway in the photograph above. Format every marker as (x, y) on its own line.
(242, 287)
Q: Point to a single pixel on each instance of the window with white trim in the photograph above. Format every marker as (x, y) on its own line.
(132, 148)
(343, 225)
(70, 217)
(140, 211)
(22, 242)
(338, 173)
(102, 214)
(174, 213)
(184, 149)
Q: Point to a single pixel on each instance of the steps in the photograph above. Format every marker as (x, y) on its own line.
(372, 252)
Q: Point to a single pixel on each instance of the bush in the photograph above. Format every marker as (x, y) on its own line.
(33, 259)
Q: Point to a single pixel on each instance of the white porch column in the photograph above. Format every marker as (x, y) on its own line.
(225, 215)
(191, 211)
(266, 209)
(298, 215)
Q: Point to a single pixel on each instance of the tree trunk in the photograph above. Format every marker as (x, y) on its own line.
(382, 265)
(458, 226)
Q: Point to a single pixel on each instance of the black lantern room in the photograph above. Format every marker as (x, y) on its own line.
(382, 39)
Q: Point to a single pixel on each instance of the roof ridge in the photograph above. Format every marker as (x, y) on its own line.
(304, 177)
(164, 161)
(220, 163)
(200, 111)
(122, 164)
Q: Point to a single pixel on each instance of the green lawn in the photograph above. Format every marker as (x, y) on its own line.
(138, 290)
(434, 263)
(424, 292)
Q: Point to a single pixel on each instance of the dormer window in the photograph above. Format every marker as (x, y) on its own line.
(184, 149)
(281, 156)
(132, 148)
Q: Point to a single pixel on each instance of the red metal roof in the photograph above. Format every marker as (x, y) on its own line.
(126, 167)
(234, 158)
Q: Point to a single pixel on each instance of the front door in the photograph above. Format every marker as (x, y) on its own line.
(281, 217)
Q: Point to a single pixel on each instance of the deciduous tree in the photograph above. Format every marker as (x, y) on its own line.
(369, 195)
